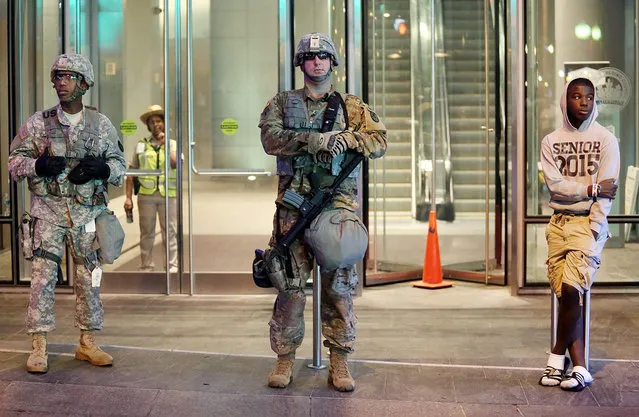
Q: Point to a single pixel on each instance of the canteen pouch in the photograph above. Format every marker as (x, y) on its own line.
(110, 236)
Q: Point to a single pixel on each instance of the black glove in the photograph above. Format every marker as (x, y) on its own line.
(96, 167)
(90, 167)
(49, 166)
(79, 175)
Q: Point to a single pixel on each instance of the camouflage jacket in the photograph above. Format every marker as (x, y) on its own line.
(56, 199)
(292, 118)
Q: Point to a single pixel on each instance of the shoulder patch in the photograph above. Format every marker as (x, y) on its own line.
(373, 115)
(49, 113)
(23, 133)
(266, 109)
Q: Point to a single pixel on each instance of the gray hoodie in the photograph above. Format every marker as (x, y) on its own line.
(573, 158)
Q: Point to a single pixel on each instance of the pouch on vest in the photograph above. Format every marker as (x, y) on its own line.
(110, 236)
(338, 239)
(26, 235)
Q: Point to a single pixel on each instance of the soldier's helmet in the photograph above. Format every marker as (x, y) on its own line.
(316, 42)
(76, 63)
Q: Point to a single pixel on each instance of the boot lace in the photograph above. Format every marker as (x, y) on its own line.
(283, 367)
(88, 339)
(340, 368)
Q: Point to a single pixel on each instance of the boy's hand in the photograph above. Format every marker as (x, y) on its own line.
(607, 189)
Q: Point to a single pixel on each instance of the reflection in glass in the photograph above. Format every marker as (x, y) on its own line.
(401, 36)
(556, 50)
(597, 39)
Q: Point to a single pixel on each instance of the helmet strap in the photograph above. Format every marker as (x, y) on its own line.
(78, 92)
(319, 81)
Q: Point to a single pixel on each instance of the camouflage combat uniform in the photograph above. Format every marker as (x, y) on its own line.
(61, 209)
(287, 123)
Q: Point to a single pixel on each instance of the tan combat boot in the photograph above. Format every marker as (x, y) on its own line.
(338, 373)
(88, 351)
(38, 360)
(282, 374)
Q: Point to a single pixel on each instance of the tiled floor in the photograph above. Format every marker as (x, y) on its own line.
(466, 351)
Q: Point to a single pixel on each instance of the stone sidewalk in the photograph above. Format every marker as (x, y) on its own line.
(147, 382)
(471, 351)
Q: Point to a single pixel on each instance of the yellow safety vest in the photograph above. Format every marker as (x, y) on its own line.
(152, 159)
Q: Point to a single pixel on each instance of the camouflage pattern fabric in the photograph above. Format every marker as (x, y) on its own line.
(76, 63)
(338, 318)
(321, 43)
(66, 207)
(292, 117)
(57, 200)
(287, 122)
(52, 238)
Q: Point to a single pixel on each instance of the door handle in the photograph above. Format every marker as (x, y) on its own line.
(222, 172)
(143, 172)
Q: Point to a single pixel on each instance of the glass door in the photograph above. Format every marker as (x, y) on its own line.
(35, 37)
(596, 40)
(133, 49)
(205, 69)
(240, 56)
(233, 54)
(8, 226)
(445, 129)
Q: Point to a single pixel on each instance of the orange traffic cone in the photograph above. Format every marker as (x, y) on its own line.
(432, 277)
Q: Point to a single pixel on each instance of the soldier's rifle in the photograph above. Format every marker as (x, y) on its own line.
(309, 210)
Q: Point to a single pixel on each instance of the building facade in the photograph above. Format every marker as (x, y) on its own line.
(466, 88)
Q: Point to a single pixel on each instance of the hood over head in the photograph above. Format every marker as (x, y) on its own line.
(563, 105)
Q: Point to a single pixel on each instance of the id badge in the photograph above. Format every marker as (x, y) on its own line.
(96, 277)
(90, 227)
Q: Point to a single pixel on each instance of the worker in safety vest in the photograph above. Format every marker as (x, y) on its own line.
(150, 154)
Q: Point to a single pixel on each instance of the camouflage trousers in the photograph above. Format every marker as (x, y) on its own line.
(574, 256)
(48, 237)
(338, 318)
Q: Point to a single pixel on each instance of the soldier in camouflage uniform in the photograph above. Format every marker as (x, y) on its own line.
(68, 154)
(291, 129)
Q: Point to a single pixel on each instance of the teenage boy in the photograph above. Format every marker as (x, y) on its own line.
(580, 162)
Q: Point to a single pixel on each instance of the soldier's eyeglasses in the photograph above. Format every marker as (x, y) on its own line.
(308, 56)
(66, 77)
